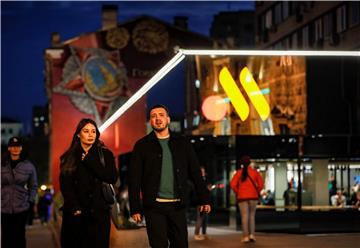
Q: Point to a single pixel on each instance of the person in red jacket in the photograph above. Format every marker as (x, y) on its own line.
(247, 184)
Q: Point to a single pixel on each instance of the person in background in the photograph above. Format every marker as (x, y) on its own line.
(83, 169)
(18, 191)
(267, 198)
(43, 206)
(332, 188)
(202, 218)
(356, 201)
(290, 194)
(247, 185)
(161, 164)
(338, 200)
(354, 189)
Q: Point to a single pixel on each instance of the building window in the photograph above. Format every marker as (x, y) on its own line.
(278, 46)
(261, 24)
(328, 25)
(294, 40)
(319, 29)
(268, 19)
(2, 131)
(285, 43)
(341, 19)
(354, 13)
(277, 13)
(285, 9)
(10, 131)
(305, 37)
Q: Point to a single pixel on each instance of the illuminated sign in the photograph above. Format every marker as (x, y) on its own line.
(252, 90)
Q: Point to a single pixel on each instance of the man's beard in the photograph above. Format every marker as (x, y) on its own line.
(160, 129)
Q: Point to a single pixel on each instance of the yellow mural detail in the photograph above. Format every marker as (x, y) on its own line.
(109, 79)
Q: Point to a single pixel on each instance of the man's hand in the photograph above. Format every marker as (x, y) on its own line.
(205, 208)
(136, 217)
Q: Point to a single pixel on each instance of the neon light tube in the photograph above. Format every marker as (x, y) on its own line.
(145, 88)
(268, 52)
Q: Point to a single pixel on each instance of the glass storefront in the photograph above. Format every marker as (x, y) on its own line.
(297, 191)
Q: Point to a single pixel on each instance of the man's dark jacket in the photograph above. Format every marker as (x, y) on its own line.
(145, 171)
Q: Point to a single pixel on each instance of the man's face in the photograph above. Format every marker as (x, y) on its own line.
(159, 120)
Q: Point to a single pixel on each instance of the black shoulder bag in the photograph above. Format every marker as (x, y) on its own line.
(110, 197)
(107, 188)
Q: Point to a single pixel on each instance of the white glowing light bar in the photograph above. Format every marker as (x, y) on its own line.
(268, 53)
(181, 55)
(145, 88)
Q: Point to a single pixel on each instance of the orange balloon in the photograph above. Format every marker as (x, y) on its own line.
(214, 108)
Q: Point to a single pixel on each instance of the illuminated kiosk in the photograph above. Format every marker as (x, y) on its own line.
(243, 114)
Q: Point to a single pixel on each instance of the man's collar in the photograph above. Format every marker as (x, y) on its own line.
(152, 135)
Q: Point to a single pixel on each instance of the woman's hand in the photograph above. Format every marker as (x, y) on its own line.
(136, 218)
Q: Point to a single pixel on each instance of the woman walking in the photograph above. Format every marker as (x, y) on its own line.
(247, 184)
(18, 191)
(83, 169)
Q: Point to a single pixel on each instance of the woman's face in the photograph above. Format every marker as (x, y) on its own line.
(15, 150)
(87, 134)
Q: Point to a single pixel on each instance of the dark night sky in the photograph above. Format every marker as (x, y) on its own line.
(26, 28)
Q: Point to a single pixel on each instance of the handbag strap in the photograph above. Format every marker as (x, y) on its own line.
(252, 181)
(102, 161)
(101, 156)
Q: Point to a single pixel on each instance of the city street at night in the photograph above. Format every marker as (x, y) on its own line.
(236, 119)
(222, 236)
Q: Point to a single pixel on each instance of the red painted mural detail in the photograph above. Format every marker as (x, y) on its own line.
(95, 80)
(85, 80)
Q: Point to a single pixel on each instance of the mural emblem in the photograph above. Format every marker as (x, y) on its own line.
(95, 80)
(150, 37)
(117, 38)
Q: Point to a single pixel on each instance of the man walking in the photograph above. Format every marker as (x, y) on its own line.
(161, 164)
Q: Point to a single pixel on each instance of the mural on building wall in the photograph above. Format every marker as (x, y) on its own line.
(95, 80)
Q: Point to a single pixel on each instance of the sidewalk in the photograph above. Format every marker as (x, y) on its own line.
(39, 235)
(229, 238)
(42, 236)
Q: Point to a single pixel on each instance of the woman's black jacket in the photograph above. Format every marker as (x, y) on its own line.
(82, 189)
(145, 171)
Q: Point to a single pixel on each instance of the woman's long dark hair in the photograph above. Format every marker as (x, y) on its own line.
(245, 162)
(69, 159)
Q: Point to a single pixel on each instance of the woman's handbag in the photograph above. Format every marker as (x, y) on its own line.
(116, 216)
(109, 194)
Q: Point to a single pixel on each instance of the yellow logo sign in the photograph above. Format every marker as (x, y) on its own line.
(252, 90)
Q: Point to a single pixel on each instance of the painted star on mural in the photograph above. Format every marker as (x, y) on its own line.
(95, 80)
